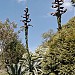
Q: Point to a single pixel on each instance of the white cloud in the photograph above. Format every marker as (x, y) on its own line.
(21, 0)
(67, 3)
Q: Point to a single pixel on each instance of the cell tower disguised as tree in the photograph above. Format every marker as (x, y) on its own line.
(59, 11)
(26, 26)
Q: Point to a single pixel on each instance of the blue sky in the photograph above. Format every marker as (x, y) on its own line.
(39, 11)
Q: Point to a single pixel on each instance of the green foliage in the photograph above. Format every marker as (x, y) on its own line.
(7, 32)
(3, 72)
(7, 35)
(48, 35)
(73, 1)
(60, 57)
(13, 49)
(56, 56)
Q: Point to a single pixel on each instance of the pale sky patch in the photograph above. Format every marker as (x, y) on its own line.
(47, 15)
(67, 3)
(0, 50)
(21, 0)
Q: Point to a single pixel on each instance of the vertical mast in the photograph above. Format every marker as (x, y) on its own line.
(26, 26)
(59, 11)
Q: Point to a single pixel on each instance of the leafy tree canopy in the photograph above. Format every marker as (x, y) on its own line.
(12, 48)
(59, 58)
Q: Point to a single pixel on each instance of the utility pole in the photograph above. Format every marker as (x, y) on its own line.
(59, 11)
(26, 26)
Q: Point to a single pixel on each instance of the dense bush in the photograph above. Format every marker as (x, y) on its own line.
(60, 57)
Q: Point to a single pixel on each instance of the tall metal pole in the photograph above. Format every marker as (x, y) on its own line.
(26, 26)
(59, 11)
